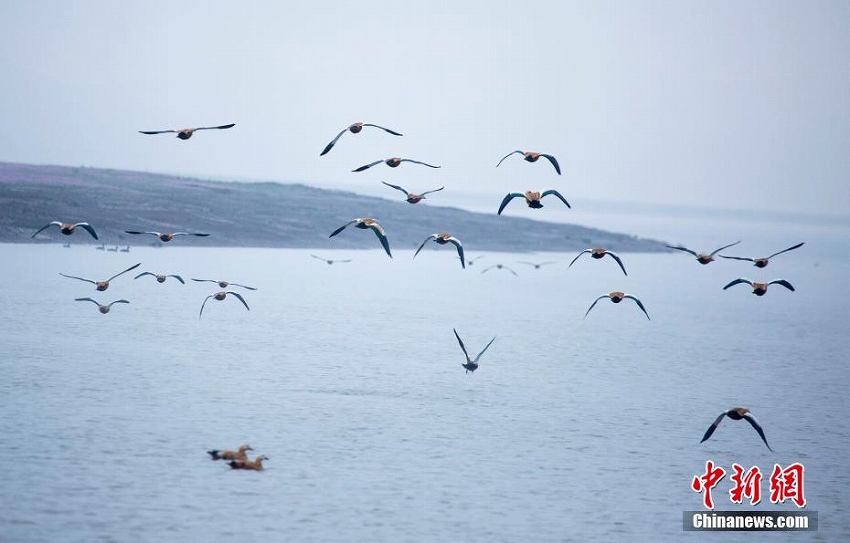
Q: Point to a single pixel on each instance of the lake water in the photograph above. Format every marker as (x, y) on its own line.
(349, 379)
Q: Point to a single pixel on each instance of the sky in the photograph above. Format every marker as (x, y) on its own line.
(723, 104)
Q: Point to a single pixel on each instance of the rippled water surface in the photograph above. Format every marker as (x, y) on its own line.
(349, 379)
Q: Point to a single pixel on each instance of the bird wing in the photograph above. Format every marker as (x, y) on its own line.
(432, 236)
(554, 162)
(205, 280)
(510, 270)
(738, 281)
(620, 262)
(509, 154)
(594, 304)
(80, 278)
(556, 193)
(330, 146)
(393, 132)
(381, 236)
(738, 258)
(752, 420)
(484, 349)
(430, 191)
(784, 283)
(243, 286)
(682, 249)
(240, 298)
(231, 125)
(157, 234)
(786, 250)
(343, 227)
(488, 268)
(92, 300)
(418, 162)
(125, 271)
(319, 258)
(714, 252)
(178, 278)
(119, 302)
(396, 187)
(508, 198)
(456, 242)
(367, 166)
(203, 304)
(144, 274)
(713, 427)
(87, 227)
(48, 225)
(578, 255)
(156, 131)
(462, 347)
(638, 302)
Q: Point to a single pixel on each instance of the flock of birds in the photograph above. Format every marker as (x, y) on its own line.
(238, 459)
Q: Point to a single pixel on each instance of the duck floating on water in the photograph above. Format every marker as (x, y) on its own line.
(239, 454)
(255, 465)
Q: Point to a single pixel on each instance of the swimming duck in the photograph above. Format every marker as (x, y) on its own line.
(239, 454)
(160, 278)
(531, 198)
(354, 129)
(530, 156)
(223, 284)
(102, 285)
(68, 228)
(701, 257)
(759, 289)
(221, 296)
(255, 465)
(329, 261)
(186, 133)
(166, 237)
(736, 413)
(471, 365)
(618, 297)
(100, 307)
(763, 261)
(363, 224)
(442, 239)
(392, 163)
(499, 267)
(411, 197)
(599, 253)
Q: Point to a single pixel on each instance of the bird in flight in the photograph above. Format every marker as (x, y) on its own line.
(101, 307)
(354, 129)
(762, 261)
(329, 261)
(223, 284)
(531, 198)
(186, 133)
(530, 156)
(221, 296)
(102, 285)
(759, 289)
(412, 198)
(618, 297)
(161, 277)
(363, 224)
(736, 413)
(537, 265)
(67, 228)
(471, 364)
(498, 267)
(703, 258)
(599, 253)
(166, 237)
(442, 239)
(392, 163)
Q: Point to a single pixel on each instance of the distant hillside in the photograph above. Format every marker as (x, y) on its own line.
(258, 214)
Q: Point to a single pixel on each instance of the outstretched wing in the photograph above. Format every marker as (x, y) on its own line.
(204, 304)
(396, 187)
(752, 420)
(640, 305)
(714, 252)
(125, 271)
(556, 193)
(713, 427)
(554, 162)
(367, 166)
(204, 280)
(430, 191)
(144, 274)
(157, 131)
(738, 281)
(330, 146)
(594, 304)
(178, 278)
(460, 341)
(738, 258)
(418, 162)
(80, 278)
(510, 270)
(782, 282)
(508, 198)
(426, 240)
(119, 302)
(343, 227)
(231, 125)
(243, 286)
(509, 154)
(381, 236)
(484, 349)
(48, 225)
(139, 232)
(92, 300)
(578, 255)
(682, 249)
(87, 227)
(456, 242)
(786, 250)
(393, 132)
(240, 298)
(620, 262)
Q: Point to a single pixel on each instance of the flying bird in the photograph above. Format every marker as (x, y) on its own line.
(599, 253)
(736, 413)
(186, 133)
(354, 129)
(411, 197)
(472, 260)
(231, 455)
(537, 265)
(471, 365)
(329, 261)
(255, 465)
(618, 297)
(701, 257)
(223, 284)
(498, 267)
(160, 278)
(442, 239)
(392, 163)
(530, 156)
(759, 289)
(102, 285)
(166, 237)
(763, 261)
(68, 228)
(221, 296)
(363, 224)
(531, 198)
(100, 307)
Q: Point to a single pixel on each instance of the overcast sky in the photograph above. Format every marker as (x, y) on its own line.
(719, 104)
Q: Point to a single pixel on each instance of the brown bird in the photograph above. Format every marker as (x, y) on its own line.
(537, 265)
(763, 261)
(470, 364)
(255, 465)
(354, 129)
(736, 413)
(760, 288)
(239, 454)
(221, 296)
(498, 267)
(329, 261)
(531, 198)
(363, 224)
(411, 197)
(186, 133)
(160, 278)
(223, 284)
(167, 236)
(392, 163)
(102, 285)
(701, 257)
(442, 239)
(618, 297)
(100, 307)
(530, 156)
(67, 228)
(599, 253)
